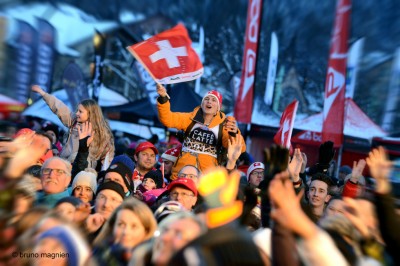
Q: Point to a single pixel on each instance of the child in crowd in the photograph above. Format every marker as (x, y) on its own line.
(88, 111)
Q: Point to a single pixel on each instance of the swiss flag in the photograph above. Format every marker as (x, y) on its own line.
(284, 134)
(169, 56)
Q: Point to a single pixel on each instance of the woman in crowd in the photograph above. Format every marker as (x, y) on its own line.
(130, 224)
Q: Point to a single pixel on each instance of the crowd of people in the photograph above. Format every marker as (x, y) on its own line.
(81, 200)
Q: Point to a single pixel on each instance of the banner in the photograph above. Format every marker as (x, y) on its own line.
(169, 57)
(335, 84)
(99, 43)
(45, 56)
(24, 55)
(391, 109)
(272, 66)
(352, 67)
(284, 134)
(244, 100)
(73, 82)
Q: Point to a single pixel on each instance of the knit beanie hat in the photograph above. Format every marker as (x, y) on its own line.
(254, 166)
(172, 154)
(156, 175)
(74, 245)
(76, 202)
(125, 159)
(111, 185)
(124, 166)
(215, 94)
(85, 178)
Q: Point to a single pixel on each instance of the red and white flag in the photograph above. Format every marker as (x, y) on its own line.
(284, 134)
(335, 84)
(244, 99)
(168, 56)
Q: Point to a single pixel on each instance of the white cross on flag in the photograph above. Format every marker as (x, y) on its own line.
(284, 134)
(169, 56)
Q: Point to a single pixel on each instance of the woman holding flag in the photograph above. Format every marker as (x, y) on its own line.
(207, 130)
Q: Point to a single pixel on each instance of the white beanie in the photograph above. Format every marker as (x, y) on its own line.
(86, 178)
(254, 166)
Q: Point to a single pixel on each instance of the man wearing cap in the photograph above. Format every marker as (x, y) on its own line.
(184, 191)
(207, 129)
(109, 196)
(145, 157)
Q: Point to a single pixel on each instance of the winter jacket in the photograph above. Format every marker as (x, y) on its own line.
(200, 145)
(67, 117)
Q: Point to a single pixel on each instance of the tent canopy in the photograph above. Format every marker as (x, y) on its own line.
(356, 124)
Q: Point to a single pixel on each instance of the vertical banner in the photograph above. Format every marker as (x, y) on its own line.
(3, 50)
(272, 66)
(352, 67)
(24, 55)
(45, 56)
(244, 99)
(335, 84)
(391, 109)
(284, 134)
(73, 82)
(99, 43)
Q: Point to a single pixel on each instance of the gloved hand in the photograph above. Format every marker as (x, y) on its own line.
(326, 154)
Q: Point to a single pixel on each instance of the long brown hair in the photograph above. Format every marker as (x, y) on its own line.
(142, 211)
(103, 140)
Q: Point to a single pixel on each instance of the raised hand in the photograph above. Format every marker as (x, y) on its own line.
(94, 222)
(353, 212)
(286, 207)
(161, 90)
(85, 130)
(380, 167)
(358, 168)
(38, 89)
(28, 150)
(295, 166)
(230, 125)
(234, 150)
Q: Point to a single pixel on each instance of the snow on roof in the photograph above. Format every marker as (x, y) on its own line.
(72, 24)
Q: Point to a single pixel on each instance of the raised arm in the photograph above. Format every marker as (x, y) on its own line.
(57, 107)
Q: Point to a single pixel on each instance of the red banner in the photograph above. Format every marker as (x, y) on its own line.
(284, 134)
(244, 99)
(335, 84)
(168, 56)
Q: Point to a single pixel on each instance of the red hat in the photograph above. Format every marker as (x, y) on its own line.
(215, 94)
(172, 154)
(183, 182)
(144, 146)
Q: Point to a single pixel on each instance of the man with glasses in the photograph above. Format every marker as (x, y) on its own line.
(55, 178)
(255, 174)
(184, 191)
(191, 172)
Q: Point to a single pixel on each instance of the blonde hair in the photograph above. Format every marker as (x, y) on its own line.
(103, 140)
(142, 211)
